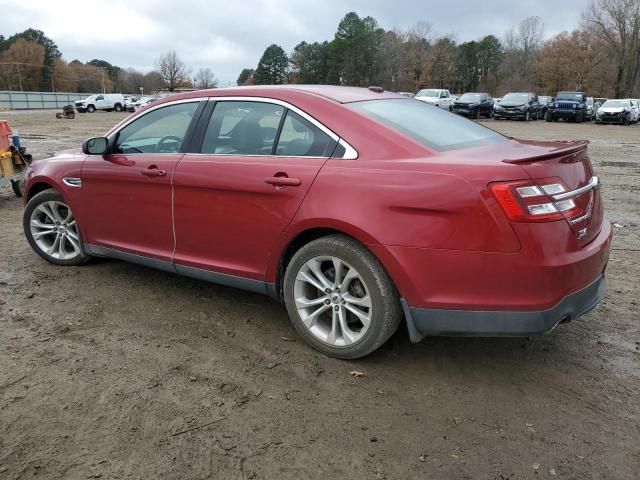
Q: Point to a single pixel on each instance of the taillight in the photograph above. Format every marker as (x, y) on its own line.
(528, 202)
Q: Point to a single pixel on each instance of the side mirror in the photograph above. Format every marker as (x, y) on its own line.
(95, 146)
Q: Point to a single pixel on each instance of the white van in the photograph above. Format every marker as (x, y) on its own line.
(102, 101)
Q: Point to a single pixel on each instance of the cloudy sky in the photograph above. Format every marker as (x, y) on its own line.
(228, 35)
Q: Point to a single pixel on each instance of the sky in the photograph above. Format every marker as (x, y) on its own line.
(229, 35)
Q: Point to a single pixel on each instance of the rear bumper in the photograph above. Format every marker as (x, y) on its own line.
(422, 322)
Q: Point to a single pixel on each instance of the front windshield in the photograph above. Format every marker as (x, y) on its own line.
(516, 97)
(431, 126)
(576, 97)
(470, 97)
(428, 93)
(544, 99)
(590, 101)
(615, 104)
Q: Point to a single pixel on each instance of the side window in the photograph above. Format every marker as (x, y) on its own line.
(301, 138)
(159, 131)
(99, 97)
(242, 128)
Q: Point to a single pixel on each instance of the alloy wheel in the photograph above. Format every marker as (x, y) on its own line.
(54, 230)
(332, 301)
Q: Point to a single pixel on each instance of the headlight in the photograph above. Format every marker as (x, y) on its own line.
(555, 105)
(523, 108)
(497, 106)
(575, 106)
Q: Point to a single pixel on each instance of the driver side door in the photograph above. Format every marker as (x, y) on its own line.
(127, 193)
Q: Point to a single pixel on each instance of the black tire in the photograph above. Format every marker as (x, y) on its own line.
(15, 185)
(38, 199)
(91, 109)
(385, 302)
(580, 117)
(626, 121)
(117, 107)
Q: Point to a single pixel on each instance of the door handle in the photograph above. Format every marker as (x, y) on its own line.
(283, 181)
(153, 171)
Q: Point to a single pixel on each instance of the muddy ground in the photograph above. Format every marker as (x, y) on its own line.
(113, 370)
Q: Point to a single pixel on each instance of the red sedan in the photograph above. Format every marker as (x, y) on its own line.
(355, 207)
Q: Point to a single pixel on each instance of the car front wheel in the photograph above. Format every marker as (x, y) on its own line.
(339, 298)
(52, 230)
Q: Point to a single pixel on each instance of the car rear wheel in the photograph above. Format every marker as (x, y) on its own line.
(339, 298)
(52, 230)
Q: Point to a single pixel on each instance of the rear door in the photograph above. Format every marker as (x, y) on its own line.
(127, 193)
(240, 188)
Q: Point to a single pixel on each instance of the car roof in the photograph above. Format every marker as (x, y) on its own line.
(335, 93)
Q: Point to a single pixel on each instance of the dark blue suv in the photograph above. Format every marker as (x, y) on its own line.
(568, 106)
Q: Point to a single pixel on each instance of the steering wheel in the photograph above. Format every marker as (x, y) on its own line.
(167, 139)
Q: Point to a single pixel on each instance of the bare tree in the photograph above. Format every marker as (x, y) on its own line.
(172, 69)
(205, 79)
(617, 23)
(530, 32)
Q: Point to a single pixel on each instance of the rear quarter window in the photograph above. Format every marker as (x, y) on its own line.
(431, 126)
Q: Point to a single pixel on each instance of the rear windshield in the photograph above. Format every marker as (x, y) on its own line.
(470, 97)
(576, 97)
(616, 104)
(431, 126)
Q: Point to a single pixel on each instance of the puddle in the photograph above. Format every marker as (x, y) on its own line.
(608, 163)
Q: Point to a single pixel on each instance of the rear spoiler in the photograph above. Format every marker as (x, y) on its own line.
(569, 147)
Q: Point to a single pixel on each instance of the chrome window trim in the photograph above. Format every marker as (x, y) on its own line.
(350, 152)
(112, 133)
(593, 183)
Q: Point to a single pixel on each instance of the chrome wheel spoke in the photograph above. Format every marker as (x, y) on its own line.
(310, 319)
(305, 277)
(47, 211)
(362, 316)
(315, 269)
(351, 275)
(53, 246)
(364, 301)
(307, 302)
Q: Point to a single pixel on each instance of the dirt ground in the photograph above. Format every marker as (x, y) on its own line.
(113, 370)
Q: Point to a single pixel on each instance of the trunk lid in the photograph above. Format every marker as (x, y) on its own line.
(567, 163)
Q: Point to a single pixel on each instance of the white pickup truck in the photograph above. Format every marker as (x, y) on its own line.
(435, 96)
(102, 101)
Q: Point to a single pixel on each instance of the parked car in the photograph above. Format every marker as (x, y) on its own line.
(473, 105)
(570, 106)
(435, 96)
(130, 99)
(518, 105)
(354, 207)
(143, 102)
(615, 111)
(104, 101)
(592, 107)
(543, 102)
(635, 110)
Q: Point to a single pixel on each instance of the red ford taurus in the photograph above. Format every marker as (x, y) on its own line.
(355, 207)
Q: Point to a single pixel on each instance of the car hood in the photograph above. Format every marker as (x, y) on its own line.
(611, 109)
(464, 102)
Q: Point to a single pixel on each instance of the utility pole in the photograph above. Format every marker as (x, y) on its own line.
(19, 76)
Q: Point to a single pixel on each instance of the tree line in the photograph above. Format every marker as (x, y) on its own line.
(601, 56)
(30, 61)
